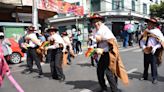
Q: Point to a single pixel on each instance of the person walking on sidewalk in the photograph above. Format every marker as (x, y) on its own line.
(68, 46)
(106, 43)
(92, 44)
(150, 42)
(79, 42)
(58, 47)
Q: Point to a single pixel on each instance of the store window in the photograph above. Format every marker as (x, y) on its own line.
(76, 3)
(133, 5)
(117, 4)
(144, 8)
(95, 5)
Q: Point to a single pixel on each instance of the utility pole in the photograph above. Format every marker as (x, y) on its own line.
(77, 25)
(35, 14)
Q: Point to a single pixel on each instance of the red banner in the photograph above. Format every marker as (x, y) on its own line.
(56, 6)
(49, 5)
(66, 7)
(79, 11)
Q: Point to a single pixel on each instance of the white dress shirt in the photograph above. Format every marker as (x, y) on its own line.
(58, 39)
(105, 34)
(67, 41)
(33, 38)
(152, 42)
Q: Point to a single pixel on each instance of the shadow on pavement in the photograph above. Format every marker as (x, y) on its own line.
(82, 84)
(85, 65)
(25, 71)
(138, 75)
(23, 65)
(48, 75)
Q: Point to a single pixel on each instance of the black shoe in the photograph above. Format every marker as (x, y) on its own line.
(119, 90)
(143, 79)
(55, 78)
(29, 72)
(62, 78)
(68, 63)
(93, 65)
(103, 90)
(155, 81)
(40, 76)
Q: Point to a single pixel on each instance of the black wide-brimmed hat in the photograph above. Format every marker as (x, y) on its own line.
(96, 16)
(31, 28)
(1, 29)
(153, 20)
(52, 29)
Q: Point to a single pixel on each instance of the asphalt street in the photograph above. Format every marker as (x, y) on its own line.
(81, 76)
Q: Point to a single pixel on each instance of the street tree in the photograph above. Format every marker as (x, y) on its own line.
(157, 10)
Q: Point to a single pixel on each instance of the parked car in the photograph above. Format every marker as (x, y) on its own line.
(17, 54)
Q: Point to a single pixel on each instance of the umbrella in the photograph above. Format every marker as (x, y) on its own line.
(127, 26)
(130, 28)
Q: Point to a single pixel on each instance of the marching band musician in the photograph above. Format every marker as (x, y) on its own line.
(150, 42)
(32, 43)
(58, 47)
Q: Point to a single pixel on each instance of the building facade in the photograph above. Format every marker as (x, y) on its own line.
(16, 15)
(116, 12)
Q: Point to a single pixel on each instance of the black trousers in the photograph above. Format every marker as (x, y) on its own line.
(152, 60)
(103, 69)
(56, 63)
(48, 56)
(69, 54)
(32, 56)
(78, 47)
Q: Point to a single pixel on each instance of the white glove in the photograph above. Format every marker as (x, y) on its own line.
(99, 51)
(143, 47)
(153, 50)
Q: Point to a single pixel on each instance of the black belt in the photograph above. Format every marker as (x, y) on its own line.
(57, 49)
(105, 52)
(32, 47)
